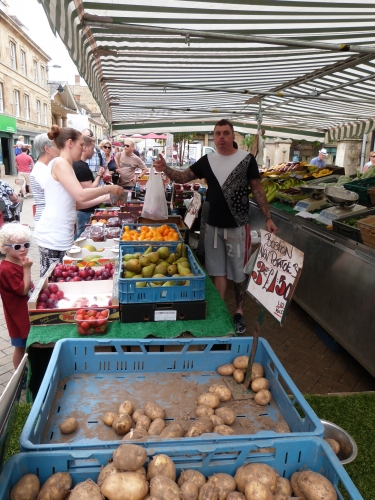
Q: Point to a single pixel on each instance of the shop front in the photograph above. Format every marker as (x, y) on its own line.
(8, 129)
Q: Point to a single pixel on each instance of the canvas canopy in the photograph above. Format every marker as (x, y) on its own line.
(180, 65)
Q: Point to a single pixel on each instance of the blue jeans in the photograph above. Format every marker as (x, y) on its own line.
(82, 219)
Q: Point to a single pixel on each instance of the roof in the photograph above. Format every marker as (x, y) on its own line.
(168, 65)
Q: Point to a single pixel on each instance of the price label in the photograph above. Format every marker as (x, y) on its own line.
(165, 316)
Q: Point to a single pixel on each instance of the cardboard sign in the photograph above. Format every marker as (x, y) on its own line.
(275, 274)
(193, 209)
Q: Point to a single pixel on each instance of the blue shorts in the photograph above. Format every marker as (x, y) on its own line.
(18, 342)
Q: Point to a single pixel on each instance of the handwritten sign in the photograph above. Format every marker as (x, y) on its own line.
(275, 274)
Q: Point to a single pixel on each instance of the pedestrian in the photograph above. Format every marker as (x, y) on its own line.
(15, 285)
(127, 163)
(46, 151)
(8, 196)
(228, 173)
(319, 160)
(370, 163)
(98, 158)
(54, 231)
(24, 163)
(150, 155)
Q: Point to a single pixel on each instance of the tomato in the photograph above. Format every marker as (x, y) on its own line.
(81, 311)
(104, 314)
(98, 329)
(81, 331)
(102, 322)
(86, 316)
(91, 312)
(79, 317)
(85, 325)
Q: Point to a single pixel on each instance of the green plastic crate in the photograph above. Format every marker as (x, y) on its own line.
(360, 186)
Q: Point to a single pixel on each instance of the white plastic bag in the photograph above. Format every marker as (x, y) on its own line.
(155, 205)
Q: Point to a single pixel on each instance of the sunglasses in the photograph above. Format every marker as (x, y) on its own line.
(107, 147)
(18, 246)
(127, 145)
(372, 156)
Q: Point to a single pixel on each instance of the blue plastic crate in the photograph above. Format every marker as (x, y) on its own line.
(156, 243)
(88, 377)
(286, 455)
(128, 293)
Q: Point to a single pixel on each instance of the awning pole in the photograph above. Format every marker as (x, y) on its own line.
(363, 151)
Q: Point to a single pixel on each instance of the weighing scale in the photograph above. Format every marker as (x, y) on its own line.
(345, 205)
(315, 201)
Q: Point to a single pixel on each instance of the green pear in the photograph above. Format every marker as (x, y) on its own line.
(133, 265)
(154, 257)
(138, 276)
(181, 249)
(163, 252)
(182, 270)
(185, 264)
(180, 282)
(171, 258)
(128, 274)
(144, 260)
(172, 269)
(127, 257)
(181, 259)
(149, 249)
(161, 268)
(169, 283)
(157, 283)
(147, 271)
(141, 284)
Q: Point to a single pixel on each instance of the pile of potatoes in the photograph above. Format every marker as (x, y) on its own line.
(126, 478)
(259, 384)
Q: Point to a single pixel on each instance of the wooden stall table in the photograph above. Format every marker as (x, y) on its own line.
(41, 339)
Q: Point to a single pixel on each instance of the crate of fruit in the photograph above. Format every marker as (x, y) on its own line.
(195, 469)
(149, 233)
(348, 226)
(89, 378)
(361, 186)
(168, 273)
(367, 228)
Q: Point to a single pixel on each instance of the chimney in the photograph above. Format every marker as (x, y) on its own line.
(77, 80)
(77, 98)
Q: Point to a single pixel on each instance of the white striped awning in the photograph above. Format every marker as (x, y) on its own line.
(350, 131)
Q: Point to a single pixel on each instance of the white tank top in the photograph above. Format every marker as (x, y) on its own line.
(55, 228)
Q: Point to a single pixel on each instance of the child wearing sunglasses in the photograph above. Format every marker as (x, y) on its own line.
(15, 284)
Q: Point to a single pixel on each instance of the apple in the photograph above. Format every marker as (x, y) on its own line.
(75, 268)
(89, 278)
(83, 274)
(91, 272)
(51, 304)
(68, 279)
(110, 302)
(53, 288)
(61, 280)
(65, 274)
(112, 271)
(98, 273)
(60, 294)
(76, 278)
(71, 274)
(42, 305)
(105, 275)
(43, 297)
(108, 266)
(53, 279)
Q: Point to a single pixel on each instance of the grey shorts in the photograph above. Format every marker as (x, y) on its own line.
(227, 251)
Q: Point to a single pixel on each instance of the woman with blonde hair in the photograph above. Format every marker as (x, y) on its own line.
(370, 163)
(54, 232)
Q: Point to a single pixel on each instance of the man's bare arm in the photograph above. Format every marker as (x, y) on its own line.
(261, 200)
(178, 176)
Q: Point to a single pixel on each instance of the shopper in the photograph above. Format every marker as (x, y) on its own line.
(127, 163)
(370, 163)
(46, 151)
(98, 158)
(15, 284)
(9, 197)
(110, 163)
(319, 160)
(228, 173)
(63, 193)
(24, 163)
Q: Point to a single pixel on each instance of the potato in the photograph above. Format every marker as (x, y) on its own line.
(283, 486)
(154, 411)
(189, 491)
(224, 430)
(126, 408)
(209, 399)
(142, 472)
(281, 496)
(208, 492)
(216, 420)
(88, 490)
(26, 488)
(256, 472)
(295, 487)
(221, 391)
(200, 426)
(226, 370)
(125, 486)
(129, 457)
(281, 427)
(259, 383)
(333, 444)
(144, 421)
(161, 465)
(105, 472)
(235, 495)
(172, 431)
(256, 371)
(193, 476)
(69, 425)
(137, 433)
(109, 418)
(122, 424)
(255, 490)
(315, 486)
(56, 487)
(156, 427)
(262, 397)
(137, 414)
(238, 375)
(164, 488)
(241, 362)
(226, 414)
(204, 411)
(224, 483)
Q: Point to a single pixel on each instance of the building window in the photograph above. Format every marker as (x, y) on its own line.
(45, 118)
(16, 98)
(13, 60)
(35, 64)
(42, 79)
(38, 111)
(23, 62)
(1, 99)
(27, 106)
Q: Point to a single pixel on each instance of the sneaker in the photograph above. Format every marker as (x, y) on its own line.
(239, 323)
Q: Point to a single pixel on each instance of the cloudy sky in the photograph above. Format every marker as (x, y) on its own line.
(32, 15)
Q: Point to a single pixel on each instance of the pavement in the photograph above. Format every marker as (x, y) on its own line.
(313, 367)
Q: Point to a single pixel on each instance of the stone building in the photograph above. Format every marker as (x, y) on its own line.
(24, 95)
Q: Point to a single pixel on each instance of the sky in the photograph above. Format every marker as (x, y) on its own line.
(32, 15)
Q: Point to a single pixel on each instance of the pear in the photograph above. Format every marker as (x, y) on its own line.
(128, 274)
(171, 258)
(138, 276)
(185, 264)
(157, 283)
(172, 269)
(163, 252)
(154, 257)
(128, 256)
(181, 249)
(149, 249)
(144, 260)
(148, 271)
(179, 283)
(182, 270)
(169, 283)
(133, 265)
(141, 284)
(161, 268)
(181, 259)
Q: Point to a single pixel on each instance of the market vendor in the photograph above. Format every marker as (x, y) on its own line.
(319, 160)
(370, 163)
(127, 163)
(228, 173)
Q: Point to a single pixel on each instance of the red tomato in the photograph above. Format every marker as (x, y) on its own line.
(86, 316)
(104, 314)
(81, 331)
(102, 322)
(91, 312)
(98, 329)
(85, 325)
(79, 317)
(81, 311)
